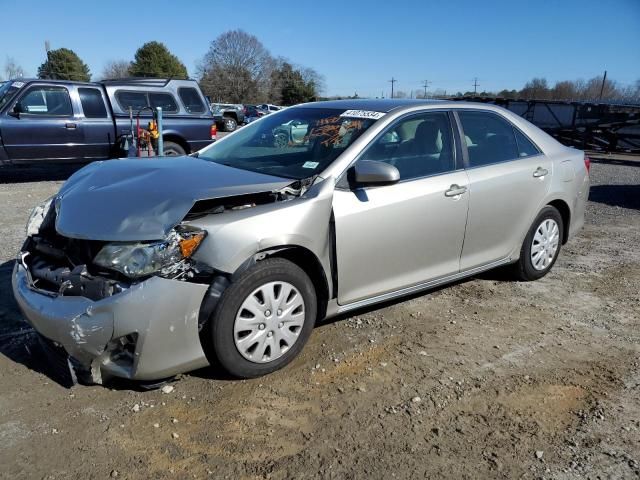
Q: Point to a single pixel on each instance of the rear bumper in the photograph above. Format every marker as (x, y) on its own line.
(157, 320)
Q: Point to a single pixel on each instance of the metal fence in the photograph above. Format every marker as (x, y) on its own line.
(606, 127)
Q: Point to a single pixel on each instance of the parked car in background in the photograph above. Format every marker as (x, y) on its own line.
(140, 276)
(232, 115)
(84, 121)
(251, 113)
(268, 108)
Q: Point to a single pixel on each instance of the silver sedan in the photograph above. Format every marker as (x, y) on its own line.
(146, 268)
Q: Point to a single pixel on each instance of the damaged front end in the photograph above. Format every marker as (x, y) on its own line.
(122, 268)
(118, 309)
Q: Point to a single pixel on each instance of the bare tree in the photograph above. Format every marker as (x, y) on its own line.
(12, 69)
(116, 69)
(237, 68)
(537, 88)
(564, 90)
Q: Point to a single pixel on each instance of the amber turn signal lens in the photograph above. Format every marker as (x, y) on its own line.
(189, 245)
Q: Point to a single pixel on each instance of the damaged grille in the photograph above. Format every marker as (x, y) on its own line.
(63, 266)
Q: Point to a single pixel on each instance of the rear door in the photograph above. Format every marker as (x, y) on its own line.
(98, 126)
(509, 177)
(396, 236)
(48, 126)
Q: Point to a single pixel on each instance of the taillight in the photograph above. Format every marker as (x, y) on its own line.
(214, 131)
(587, 163)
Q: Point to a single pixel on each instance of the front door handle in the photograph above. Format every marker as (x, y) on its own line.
(540, 172)
(70, 126)
(455, 190)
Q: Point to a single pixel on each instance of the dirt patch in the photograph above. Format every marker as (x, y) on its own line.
(486, 378)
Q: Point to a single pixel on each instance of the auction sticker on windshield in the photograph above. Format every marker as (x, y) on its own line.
(363, 114)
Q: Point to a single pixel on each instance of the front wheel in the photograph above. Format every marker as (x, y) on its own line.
(263, 319)
(541, 246)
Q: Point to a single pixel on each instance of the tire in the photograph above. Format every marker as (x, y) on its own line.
(172, 149)
(230, 124)
(280, 140)
(229, 337)
(525, 269)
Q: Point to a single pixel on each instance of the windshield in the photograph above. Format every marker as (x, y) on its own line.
(293, 143)
(7, 89)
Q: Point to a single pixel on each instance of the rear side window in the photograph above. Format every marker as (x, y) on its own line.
(489, 138)
(191, 100)
(135, 100)
(92, 103)
(47, 101)
(526, 147)
(163, 100)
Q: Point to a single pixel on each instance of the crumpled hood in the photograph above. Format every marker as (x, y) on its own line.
(142, 199)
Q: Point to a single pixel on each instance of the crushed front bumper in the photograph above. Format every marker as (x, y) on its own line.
(147, 332)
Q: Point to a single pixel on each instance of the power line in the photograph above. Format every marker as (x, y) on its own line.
(475, 85)
(425, 84)
(393, 81)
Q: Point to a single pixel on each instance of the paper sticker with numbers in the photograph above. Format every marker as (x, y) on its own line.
(362, 114)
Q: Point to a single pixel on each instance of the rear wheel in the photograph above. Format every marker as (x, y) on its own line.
(263, 319)
(541, 246)
(230, 124)
(172, 149)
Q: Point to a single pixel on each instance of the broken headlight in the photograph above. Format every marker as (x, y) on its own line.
(140, 259)
(37, 216)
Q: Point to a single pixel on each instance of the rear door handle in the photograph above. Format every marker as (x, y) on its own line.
(70, 126)
(540, 172)
(455, 190)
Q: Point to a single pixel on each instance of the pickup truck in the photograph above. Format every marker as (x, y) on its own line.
(83, 121)
(232, 115)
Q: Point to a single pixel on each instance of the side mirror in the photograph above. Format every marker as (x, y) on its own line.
(17, 110)
(371, 172)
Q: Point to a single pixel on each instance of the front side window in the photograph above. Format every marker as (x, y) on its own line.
(92, 103)
(191, 100)
(46, 101)
(489, 138)
(418, 146)
(295, 143)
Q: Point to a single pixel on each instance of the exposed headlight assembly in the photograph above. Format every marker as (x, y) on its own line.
(136, 260)
(37, 216)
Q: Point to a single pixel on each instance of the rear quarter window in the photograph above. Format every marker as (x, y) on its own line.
(92, 103)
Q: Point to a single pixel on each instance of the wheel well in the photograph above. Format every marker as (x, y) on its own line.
(179, 140)
(565, 213)
(307, 261)
(232, 115)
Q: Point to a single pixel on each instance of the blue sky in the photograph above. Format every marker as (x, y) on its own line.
(357, 45)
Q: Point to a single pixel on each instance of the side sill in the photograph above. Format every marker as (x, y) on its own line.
(419, 287)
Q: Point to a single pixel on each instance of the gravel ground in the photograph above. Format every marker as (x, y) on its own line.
(483, 379)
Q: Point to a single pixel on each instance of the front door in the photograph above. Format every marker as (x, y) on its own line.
(396, 236)
(44, 127)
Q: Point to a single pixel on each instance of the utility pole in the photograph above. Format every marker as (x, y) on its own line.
(475, 85)
(425, 84)
(393, 81)
(604, 79)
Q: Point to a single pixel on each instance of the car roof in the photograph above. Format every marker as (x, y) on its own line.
(377, 105)
(388, 105)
